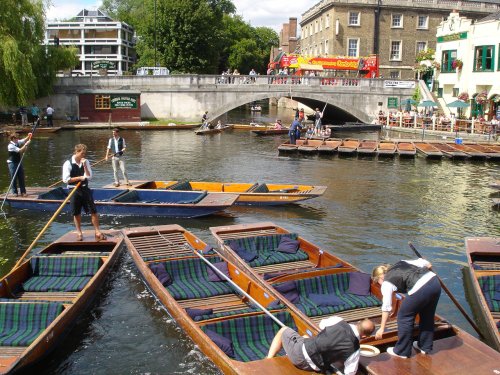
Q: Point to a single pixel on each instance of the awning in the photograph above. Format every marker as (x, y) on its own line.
(314, 67)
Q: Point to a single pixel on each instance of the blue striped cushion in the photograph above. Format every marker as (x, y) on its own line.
(22, 323)
(190, 279)
(65, 266)
(489, 286)
(55, 284)
(336, 284)
(251, 336)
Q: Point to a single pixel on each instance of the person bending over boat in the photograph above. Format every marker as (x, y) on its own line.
(423, 290)
(75, 170)
(294, 131)
(337, 344)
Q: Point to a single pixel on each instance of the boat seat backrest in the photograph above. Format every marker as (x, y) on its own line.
(181, 185)
(262, 188)
(54, 194)
(22, 323)
(251, 336)
(261, 244)
(190, 279)
(337, 284)
(490, 285)
(252, 188)
(129, 197)
(65, 266)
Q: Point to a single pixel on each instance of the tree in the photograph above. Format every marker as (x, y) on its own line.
(26, 67)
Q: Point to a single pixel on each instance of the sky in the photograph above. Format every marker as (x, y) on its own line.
(270, 13)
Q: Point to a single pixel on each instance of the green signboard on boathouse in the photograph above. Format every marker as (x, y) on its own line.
(123, 101)
(392, 102)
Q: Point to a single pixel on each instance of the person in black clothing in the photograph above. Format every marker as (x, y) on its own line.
(423, 290)
(16, 148)
(75, 170)
(335, 347)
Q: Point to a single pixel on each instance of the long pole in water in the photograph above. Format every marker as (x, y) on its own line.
(47, 225)
(452, 297)
(237, 287)
(19, 165)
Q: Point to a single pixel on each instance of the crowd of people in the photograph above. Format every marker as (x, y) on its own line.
(36, 115)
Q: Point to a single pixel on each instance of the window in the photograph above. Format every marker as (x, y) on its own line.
(304, 32)
(394, 74)
(353, 19)
(327, 21)
(395, 50)
(455, 92)
(102, 102)
(423, 22)
(352, 49)
(421, 46)
(316, 26)
(483, 58)
(447, 59)
(397, 20)
(326, 47)
(320, 24)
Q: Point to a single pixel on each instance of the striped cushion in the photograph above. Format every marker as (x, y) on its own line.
(490, 285)
(22, 323)
(181, 185)
(65, 266)
(265, 247)
(251, 336)
(55, 284)
(330, 284)
(190, 279)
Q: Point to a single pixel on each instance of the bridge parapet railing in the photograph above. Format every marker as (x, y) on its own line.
(287, 80)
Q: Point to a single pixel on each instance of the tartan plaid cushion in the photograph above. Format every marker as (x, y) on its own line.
(251, 336)
(56, 284)
(490, 285)
(22, 323)
(190, 279)
(336, 284)
(65, 266)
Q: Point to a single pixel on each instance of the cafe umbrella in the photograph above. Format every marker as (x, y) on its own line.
(427, 104)
(408, 103)
(458, 104)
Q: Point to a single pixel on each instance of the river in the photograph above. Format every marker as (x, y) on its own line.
(370, 211)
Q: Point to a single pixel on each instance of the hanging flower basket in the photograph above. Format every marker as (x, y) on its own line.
(463, 96)
(481, 98)
(457, 64)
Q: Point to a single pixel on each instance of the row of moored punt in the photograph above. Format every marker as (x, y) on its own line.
(386, 148)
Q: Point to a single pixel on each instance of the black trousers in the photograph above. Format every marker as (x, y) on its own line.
(423, 303)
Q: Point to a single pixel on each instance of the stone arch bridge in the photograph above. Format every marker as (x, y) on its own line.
(187, 97)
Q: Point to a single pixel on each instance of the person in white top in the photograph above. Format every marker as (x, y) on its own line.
(76, 171)
(335, 348)
(423, 290)
(49, 111)
(116, 147)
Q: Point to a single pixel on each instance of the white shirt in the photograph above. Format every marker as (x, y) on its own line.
(67, 170)
(49, 110)
(351, 363)
(116, 144)
(387, 288)
(13, 148)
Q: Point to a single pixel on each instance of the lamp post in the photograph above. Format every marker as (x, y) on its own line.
(156, 63)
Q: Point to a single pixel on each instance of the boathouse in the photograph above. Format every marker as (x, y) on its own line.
(109, 106)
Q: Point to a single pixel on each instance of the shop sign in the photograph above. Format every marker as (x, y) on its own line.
(392, 102)
(452, 37)
(104, 64)
(399, 84)
(123, 101)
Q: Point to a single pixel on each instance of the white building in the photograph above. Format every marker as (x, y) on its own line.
(476, 47)
(102, 42)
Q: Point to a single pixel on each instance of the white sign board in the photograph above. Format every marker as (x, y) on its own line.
(400, 84)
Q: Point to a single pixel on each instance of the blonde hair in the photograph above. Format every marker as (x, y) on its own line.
(80, 147)
(379, 271)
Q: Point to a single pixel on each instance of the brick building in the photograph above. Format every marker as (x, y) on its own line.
(288, 40)
(396, 30)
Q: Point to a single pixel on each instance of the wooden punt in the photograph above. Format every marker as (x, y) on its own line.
(208, 131)
(247, 193)
(449, 151)
(251, 126)
(386, 148)
(158, 127)
(473, 154)
(348, 146)
(483, 281)
(227, 312)
(428, 150)
(42, 298)
(130, 202)
(287, 147)
(406, 149)
(273, 131)
(367, 147)
(25, 129)
(495, 185)
(330, 145)
(490, 152)
(310, 146)
(456, 350)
